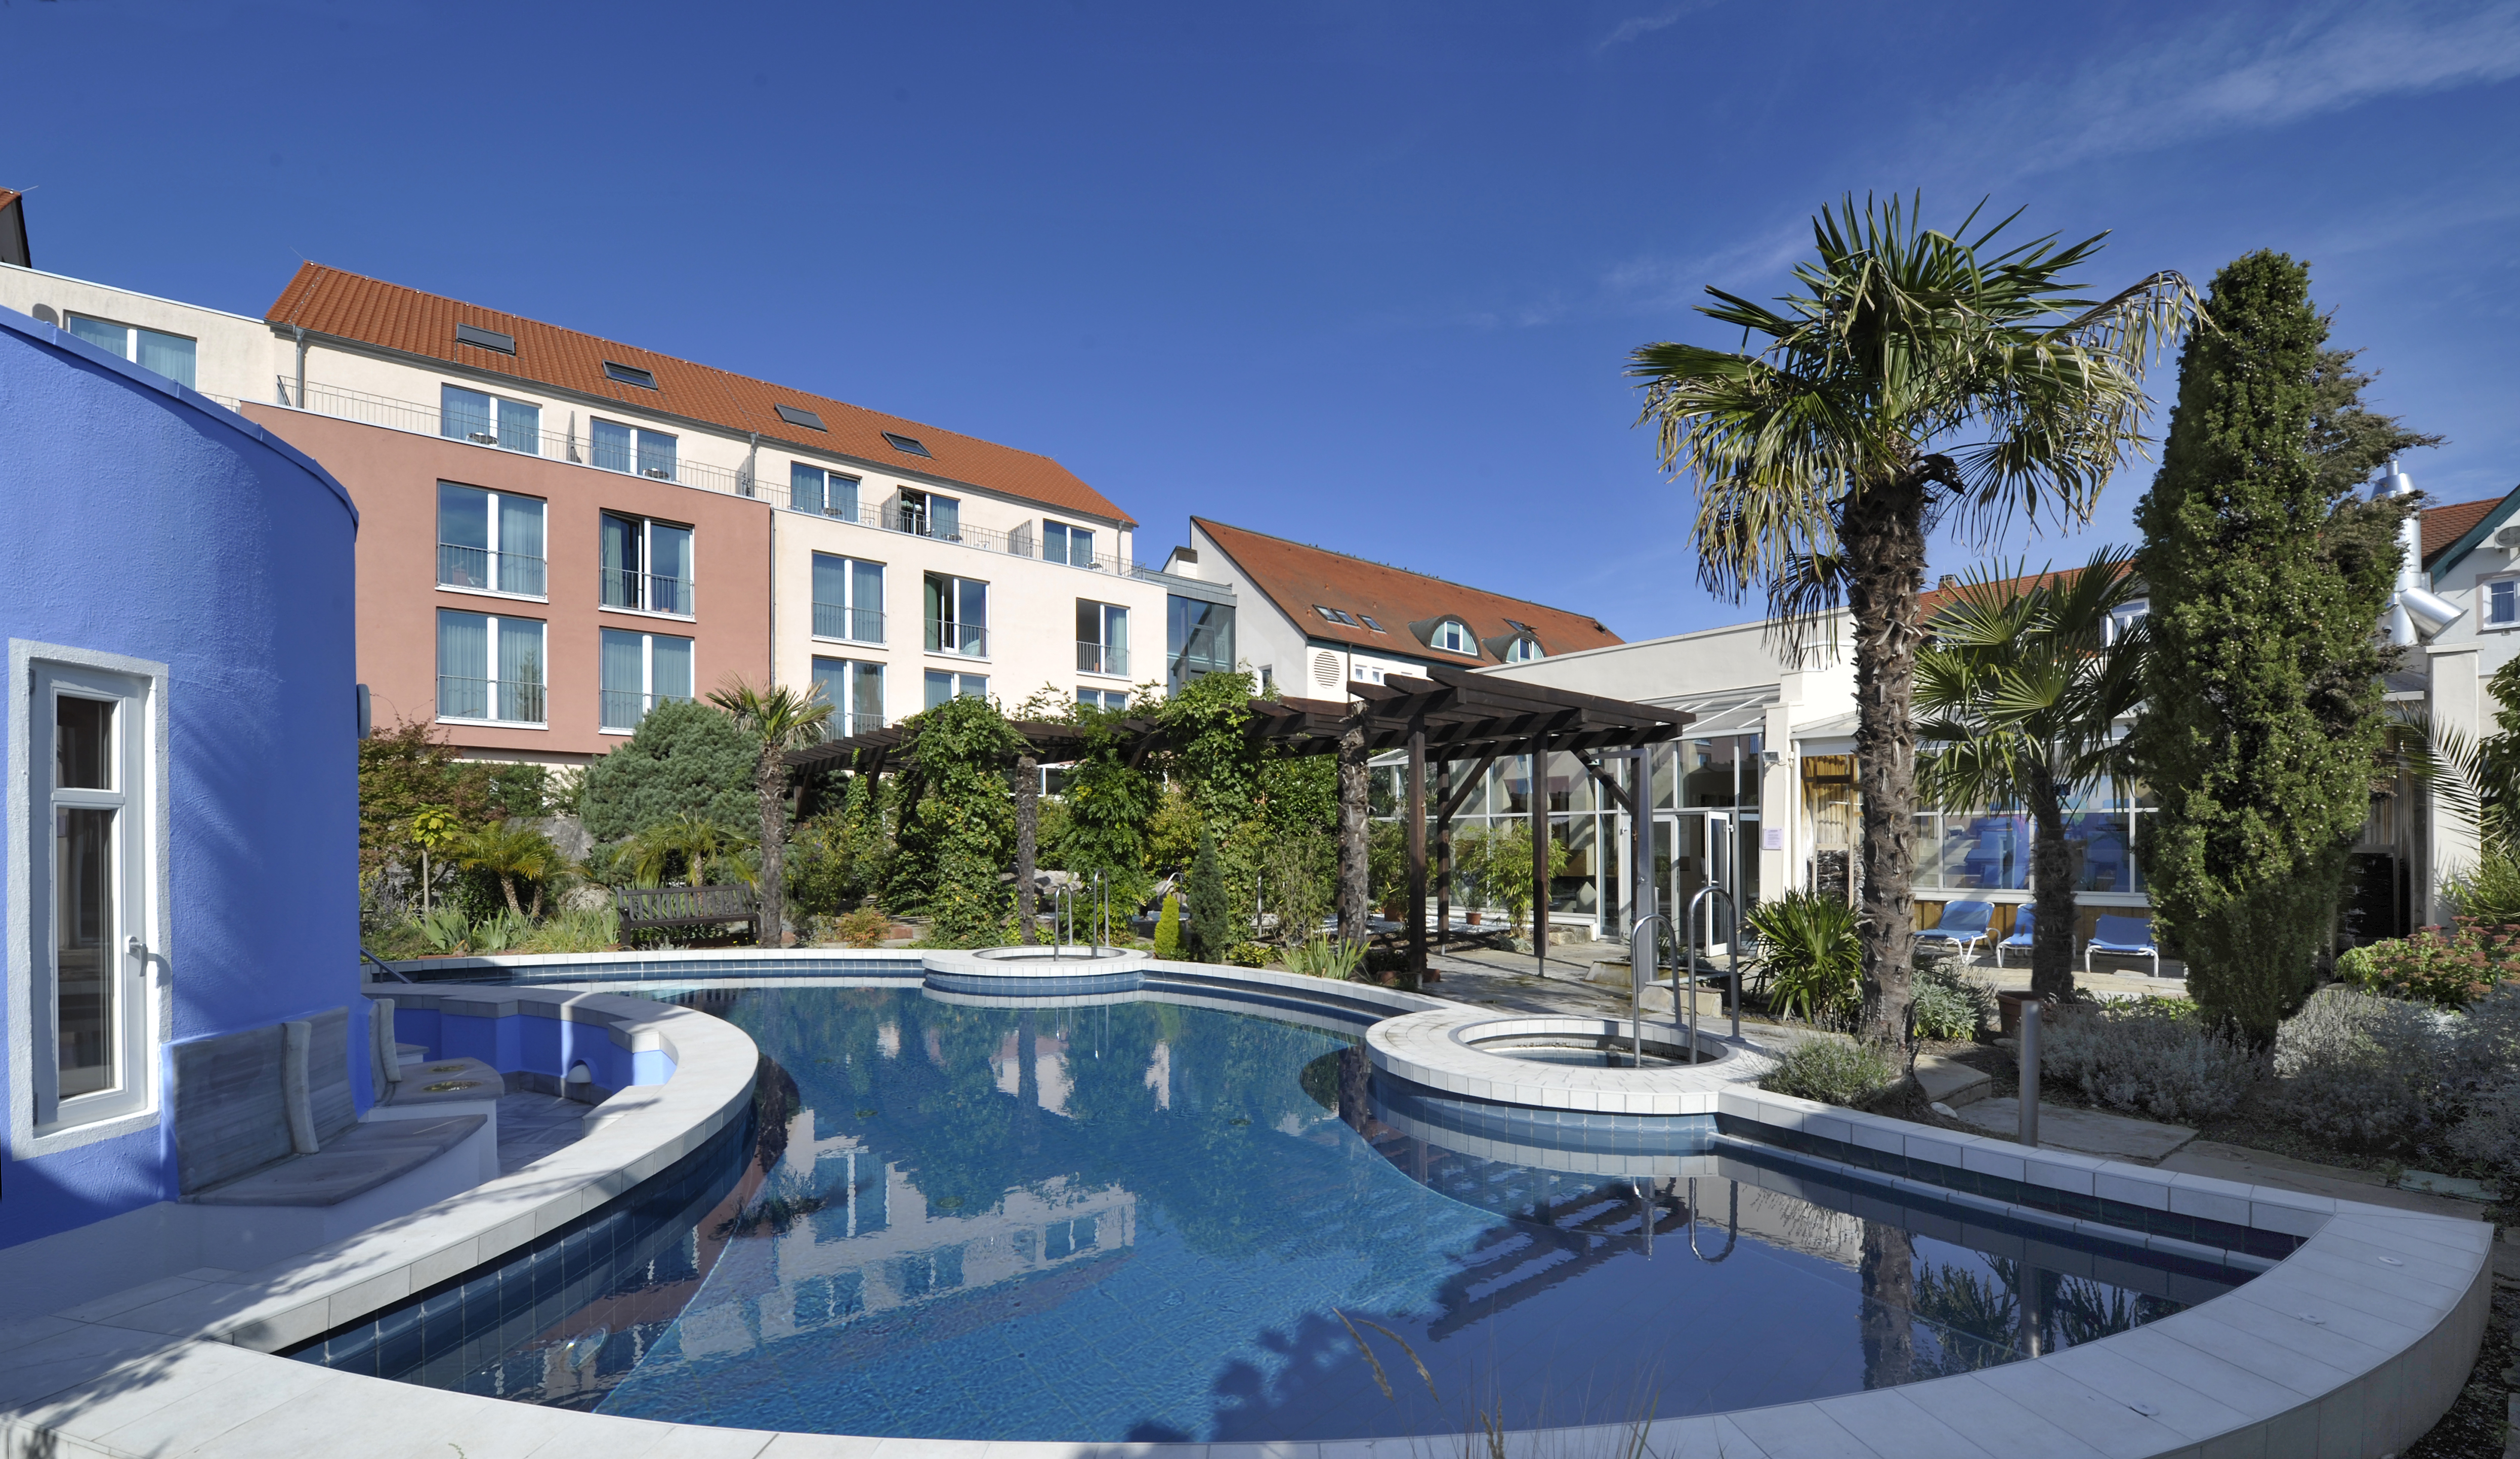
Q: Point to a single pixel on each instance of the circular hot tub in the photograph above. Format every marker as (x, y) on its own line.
(1542, 1061)
(1044, 971)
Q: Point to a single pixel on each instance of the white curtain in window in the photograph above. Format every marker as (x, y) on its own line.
(463, 665)
(805, 487)
(113, 340)
(657, 455)
(171, 355)
(520, 427)
(462, 415)
(520, 546)
(521, 670)
(946, 517)
(670, 668)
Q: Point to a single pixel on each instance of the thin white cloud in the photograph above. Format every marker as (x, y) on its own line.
(1655, 282)
(1634, 27)
(2230, 74)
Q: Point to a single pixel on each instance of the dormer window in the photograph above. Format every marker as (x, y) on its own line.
(1451, 636)
(1522, 650)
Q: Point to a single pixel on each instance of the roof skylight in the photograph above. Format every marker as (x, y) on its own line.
(1334, 616)
(630, 375)
(795, 415)
(1369, 623)
(479, 337)
(908, 445)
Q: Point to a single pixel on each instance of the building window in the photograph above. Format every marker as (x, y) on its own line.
(855, 692)
(944, 684)
(640, 671)
(2125, 617)
(487, 420)
(1102, 698)
(489, 669)
(821, 492)
(1335, 615)
(1199, 640)
(647, 565)
(1365, 673)
(927, 514)
(171, 355)
(489, 542)
(1268, 681)
(958, 616)
(1101, 639)
(2501, 601)
(1452, 637)
(848, 599)
(1522, 650)
(88, 894)
(635, 449)
(1062, 543)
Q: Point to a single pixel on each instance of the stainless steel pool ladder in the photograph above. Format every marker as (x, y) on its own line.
(1643, 953)
(1732, 955)
(1733, 1232)
(1062, 893)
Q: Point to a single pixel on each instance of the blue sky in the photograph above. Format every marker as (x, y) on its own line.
(1360, 274)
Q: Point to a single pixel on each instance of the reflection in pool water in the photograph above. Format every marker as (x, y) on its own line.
(1152, 1221)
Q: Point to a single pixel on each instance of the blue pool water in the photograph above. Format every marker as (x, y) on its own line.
(1149, 1221)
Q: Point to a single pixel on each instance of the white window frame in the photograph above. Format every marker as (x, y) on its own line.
(955, 584)
(843, 720)
(644, 574)
(2125, 616)
(1101, 644)
(958, 678)
(148, 1017)
(1101, 698)
(1068, 532)
(1361, 672)
(534, 437)
(647, 677)
(1452, 636)
(1524, 649)
(2484, 587)
(131, 341)
(495, 549)
(637, 438)
(848, 605)
(490, 677)
(857, 486)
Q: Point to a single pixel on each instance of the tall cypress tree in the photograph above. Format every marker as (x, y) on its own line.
(2267, 575)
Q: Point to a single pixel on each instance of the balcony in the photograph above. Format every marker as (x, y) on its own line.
(516, 703)
(919, 523)
(842, 726)
(647, 592)
(1103, 658)
(486, 571)
(856, 625)
(966, 639)
(621, 710)
(552, 445)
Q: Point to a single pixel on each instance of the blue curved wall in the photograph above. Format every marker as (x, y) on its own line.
(142, 520)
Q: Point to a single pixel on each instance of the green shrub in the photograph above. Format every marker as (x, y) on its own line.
(685, 758)
(1168, 933)
(593, 929)
(1948, 1005)
(2490, 894)
(2164, 1063)
(1324, 956)
(1810, 951)
(1832, 1069)
(1211, 912)
(865, 927)
(2450, 972)
(2363, 1072)
(1247, 954)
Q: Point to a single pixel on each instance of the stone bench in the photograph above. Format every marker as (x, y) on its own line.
(266, 1117)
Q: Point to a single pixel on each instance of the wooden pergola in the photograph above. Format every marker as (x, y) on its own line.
(1447, 718)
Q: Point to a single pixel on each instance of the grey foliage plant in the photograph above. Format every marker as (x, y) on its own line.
(2153, 1061)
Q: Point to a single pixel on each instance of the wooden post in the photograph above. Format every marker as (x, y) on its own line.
(1027, 827)
(1443, 857)
(1355, 886)
(1538, 807)
(1418, 848)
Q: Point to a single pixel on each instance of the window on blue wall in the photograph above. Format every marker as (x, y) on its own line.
(171, 355)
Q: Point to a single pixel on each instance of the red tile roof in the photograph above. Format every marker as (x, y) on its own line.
(2445, 525)
(346, 306)
(1296, 577)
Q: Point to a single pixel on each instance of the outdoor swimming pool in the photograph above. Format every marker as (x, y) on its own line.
(1154, 1218)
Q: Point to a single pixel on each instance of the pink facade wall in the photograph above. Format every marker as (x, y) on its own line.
(393, 477)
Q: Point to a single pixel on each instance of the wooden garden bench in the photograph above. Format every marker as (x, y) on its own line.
(651, 909)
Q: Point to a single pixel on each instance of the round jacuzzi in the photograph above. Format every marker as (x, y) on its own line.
(1042, 971)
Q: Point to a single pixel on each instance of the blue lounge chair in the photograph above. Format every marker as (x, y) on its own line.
(2124, 937)
(2020, 934)
(1964, 926)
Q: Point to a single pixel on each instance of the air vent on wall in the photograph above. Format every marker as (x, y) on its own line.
(630, 375)
(481, 339)
(1326, 670)
(804, 418)
(908, 445)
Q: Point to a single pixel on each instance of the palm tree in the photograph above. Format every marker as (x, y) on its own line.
(784, 720)
(2022, 691)
(695, 840)
(1915, 374)
(509, 850)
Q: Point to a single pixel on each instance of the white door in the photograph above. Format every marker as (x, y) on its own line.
(88, 904)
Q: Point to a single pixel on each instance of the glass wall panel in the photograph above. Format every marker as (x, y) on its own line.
(1666, 775)
(1747, 749)
(1986, 853)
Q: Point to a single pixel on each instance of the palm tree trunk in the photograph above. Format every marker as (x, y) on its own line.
(1355, 889)
(1027, 847)
(536, 910)
(508, 884)
(1885, 1323)
(2051, 884)
(772, 781)
(1883, 530)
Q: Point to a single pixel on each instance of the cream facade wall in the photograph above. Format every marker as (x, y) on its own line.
(234, 356)
(1032, 604)
(1276, 648)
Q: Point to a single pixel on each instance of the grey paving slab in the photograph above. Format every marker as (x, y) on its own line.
(2282, 1172)
(2090, 1131)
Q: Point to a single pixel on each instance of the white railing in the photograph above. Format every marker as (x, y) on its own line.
(647, 591)
(489, 571)
(514, 702)
(1102, 658)
(966, 639)
(573, 445)
(621, 710)
(1017, 544)
(856, 625)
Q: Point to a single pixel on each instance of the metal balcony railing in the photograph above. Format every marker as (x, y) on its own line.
(857, 625)
(647, 593)
(574, 446)
(968, 639)
(1102, 658)
(622, 710)
(507, 701)
(841, 725)
(918, 523)
(489, 571)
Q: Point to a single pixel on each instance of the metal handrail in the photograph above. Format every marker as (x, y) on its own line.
(1733, 956)
(1063, 892)
(1733, 1232)
(391, 971)
(1639, 963)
